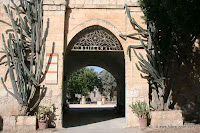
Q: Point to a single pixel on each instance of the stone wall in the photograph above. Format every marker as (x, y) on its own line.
(19, 123)
(55, 11)
(66, 20)
(101, 3)
(166, 119)
(111, 15)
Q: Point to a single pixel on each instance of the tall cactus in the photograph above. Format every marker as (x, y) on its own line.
(153, 66)
(24, 52)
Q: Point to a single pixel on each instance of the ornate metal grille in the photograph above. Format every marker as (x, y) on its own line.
(97, 40)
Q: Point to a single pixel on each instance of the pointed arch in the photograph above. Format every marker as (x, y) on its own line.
(92, 22)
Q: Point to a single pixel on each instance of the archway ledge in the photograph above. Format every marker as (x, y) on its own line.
(93, 22)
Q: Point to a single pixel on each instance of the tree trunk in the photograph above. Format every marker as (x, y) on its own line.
(111, 94)
(23, 111)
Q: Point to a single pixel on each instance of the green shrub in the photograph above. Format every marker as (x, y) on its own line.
(140, 108)
(88, 99)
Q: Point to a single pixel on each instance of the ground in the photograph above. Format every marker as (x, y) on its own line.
(104, 119)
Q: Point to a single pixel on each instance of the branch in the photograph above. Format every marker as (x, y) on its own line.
(7, 89)
(132, 20)
(133, 47)
(134, 34)
(5, 23)
(39, 99)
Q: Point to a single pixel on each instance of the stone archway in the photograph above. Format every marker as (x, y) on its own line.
(97, 46)
(67, 19)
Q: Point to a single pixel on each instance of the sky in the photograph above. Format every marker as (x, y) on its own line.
(97, 69)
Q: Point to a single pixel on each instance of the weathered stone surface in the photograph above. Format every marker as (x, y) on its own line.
(26, 120)
(166, 118)
(65, 23)
(8, 106)
(132, 119)
(170, 115)
(9, 123)
(101, 3)
(25, 128)
(13, 121)
(19, 123)
(55, 2)
(67, 18)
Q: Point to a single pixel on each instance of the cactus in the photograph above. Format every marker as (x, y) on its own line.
(152, 66)
(24, 52)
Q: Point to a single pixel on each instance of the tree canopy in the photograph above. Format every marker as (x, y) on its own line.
(173, 27)
(108, 84)
(181, 15)
(177, 25)
(83, 81)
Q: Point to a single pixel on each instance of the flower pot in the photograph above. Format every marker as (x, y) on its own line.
(83, 100)
(42, 125)
(103, 99)
(99, 102)
(143, 122)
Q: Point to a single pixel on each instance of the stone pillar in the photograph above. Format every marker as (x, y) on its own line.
(137, 88)
(55, 11)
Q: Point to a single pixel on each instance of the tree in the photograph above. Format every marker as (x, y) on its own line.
(83, 81)
(24, 52)
(153, 68)
(108, 84)
(172, 30)
(178, 25)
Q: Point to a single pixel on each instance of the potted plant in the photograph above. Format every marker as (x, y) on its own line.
(99, 102)
(43, 117)
(142, 111)
(103, 99)
(83, 100)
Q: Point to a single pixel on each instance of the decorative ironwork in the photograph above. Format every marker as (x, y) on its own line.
(97, 40)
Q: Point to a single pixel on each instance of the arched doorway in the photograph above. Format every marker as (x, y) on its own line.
(96, 46)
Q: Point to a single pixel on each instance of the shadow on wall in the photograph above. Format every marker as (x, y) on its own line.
(1, 123)
(187, 86)
(52, 118)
